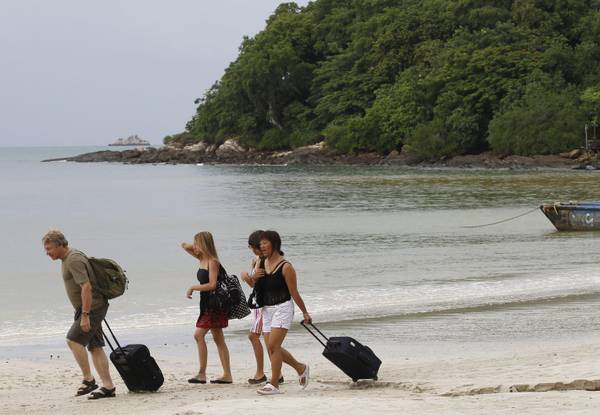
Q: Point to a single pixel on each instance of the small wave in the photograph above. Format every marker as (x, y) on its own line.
(472, 309)
(350, 305)
(472, 295)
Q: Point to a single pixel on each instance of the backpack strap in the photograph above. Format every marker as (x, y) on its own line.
(222, 273)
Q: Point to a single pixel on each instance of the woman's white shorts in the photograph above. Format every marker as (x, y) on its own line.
(278, 316)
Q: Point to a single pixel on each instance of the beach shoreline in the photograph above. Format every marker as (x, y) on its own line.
(473, 382)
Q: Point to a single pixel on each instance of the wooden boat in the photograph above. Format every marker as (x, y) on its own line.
(573, 216)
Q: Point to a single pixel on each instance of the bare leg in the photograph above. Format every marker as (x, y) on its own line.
(291, 361)
(219, 339)
(81, 358)
(279, 355)
(266, 336)
(199, 336)
(258, 354)
(286, 356)
(101, 364)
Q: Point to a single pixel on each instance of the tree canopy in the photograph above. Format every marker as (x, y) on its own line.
(443, 77)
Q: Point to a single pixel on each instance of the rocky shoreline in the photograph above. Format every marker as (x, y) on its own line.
(231, 152)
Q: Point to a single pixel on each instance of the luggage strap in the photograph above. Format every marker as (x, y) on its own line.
(314, 335)
(113, 336)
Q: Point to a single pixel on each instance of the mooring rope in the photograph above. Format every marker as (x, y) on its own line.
(503, 220)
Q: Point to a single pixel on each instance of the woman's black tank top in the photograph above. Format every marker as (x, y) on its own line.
(202, 276)
(272, 288)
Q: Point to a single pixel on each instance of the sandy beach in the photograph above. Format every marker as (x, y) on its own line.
(479, 384)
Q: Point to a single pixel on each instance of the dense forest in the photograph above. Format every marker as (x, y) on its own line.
(433, 77)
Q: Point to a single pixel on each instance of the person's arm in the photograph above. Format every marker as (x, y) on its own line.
(211, 285)
(289, 274)
(258, 271)
(247, 279)
(86, 305)
(246, 276)
(79, 271)
(189, 248)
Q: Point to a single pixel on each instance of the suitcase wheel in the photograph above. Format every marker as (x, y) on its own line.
(356, 380)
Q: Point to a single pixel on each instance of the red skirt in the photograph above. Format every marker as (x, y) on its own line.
(212, 320)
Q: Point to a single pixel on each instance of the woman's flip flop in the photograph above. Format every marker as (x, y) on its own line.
(303, 378)
(254, 381)
(221, 382)
(268, 389)
(196, 380)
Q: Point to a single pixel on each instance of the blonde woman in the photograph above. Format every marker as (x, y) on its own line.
(211, 320)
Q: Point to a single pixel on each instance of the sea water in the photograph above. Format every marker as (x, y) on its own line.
(383, 254)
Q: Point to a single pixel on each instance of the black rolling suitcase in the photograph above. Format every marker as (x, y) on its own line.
(137, 368)
(355, 360)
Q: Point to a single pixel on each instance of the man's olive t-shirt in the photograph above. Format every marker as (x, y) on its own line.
(75, 271)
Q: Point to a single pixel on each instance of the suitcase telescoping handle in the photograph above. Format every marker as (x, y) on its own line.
(314, 335)
(113, 336)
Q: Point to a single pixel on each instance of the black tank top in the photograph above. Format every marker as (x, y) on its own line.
(272, 288)
(202, 276)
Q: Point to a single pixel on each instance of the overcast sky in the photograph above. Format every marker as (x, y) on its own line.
(77, 72)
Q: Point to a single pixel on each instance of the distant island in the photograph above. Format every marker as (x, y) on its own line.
(132, 140)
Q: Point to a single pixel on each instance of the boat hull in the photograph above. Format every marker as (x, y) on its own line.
(573, 216)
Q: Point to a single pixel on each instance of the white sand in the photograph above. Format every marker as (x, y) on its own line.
(426, 386)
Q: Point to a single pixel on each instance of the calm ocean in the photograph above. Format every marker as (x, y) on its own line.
(381, 252)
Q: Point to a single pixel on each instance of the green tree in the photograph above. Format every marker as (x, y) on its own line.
(541, 122)
(374, 75)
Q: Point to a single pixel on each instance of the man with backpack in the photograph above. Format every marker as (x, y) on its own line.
(90, 309)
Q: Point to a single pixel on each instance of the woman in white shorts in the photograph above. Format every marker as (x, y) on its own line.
(275, 289)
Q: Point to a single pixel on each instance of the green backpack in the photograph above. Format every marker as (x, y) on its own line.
(108, 277)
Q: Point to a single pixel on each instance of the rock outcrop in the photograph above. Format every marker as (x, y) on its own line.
(231, 152)
(229, 147)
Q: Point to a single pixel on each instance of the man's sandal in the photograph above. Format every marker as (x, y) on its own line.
(103, 393)
(86, 387)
